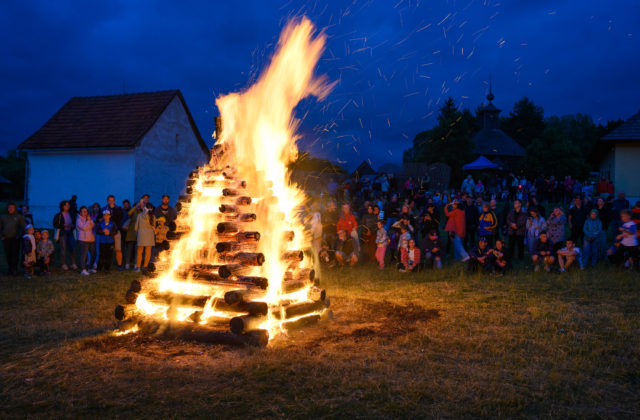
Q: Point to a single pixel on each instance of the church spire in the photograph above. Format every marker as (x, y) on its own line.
(490, 95)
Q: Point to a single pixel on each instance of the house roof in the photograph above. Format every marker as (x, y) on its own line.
(494, 142)
(363, 169)
(628, 130)
(106, 121)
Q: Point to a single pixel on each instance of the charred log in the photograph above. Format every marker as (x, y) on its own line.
(234, 297)
(244, 258)
(300, 309)
(246, 323)
(292, 256)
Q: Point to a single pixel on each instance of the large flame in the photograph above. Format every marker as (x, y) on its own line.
(259, 139)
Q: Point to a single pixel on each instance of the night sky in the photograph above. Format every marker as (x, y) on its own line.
(396, 61)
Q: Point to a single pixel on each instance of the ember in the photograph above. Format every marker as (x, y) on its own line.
(238, 260)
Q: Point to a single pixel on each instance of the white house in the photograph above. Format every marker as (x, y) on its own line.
(126, 145)
(621, 162)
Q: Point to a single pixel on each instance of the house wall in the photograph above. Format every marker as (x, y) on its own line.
(91, 175)
(627, 169)
(166, 155)
(607, 165)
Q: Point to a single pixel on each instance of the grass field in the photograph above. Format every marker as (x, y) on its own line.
(426, 345)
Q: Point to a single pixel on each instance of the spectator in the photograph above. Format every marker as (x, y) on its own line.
(568, 255)
(628, 248)
(169, 213)
(543, 253)
(106, 233)
(430, 220)
(369, 229)
(327, 256)
(468, 185)
(347, 222)
(603, 186)
(124, 230)
(146, 236)
(96, 215)
(592, 234)
(479, 189)
(28, 217)
(535, 225)
(619, 204)
(499, 258)
(329, 222)
(382, 240)
(409, 258)
(85, 227)
(471, 215)
(635, 213)
(160, 232)
(517, 222)
(45, 250)
(73, 207)
(479, 257)
(432, 247)
(64, 225)
(29, 251)
(117, 217)
(488, 224)
(456, 228)
(316, 228)
(345, 251)
(577, 217)
(556, 228)
(11, 227)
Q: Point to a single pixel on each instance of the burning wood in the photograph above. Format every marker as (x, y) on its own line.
(238, 255)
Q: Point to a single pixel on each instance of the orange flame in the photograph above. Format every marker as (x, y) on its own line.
(259, 136)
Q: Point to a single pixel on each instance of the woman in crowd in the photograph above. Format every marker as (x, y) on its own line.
(64, 225)
(87, 239)
(145, 239)
(535, 225)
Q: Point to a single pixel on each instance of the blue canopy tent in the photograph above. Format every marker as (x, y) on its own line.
(482, 163)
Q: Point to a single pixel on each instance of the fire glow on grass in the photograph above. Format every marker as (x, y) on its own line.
(258, 141)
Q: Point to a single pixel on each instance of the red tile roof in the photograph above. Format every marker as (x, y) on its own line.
(105, 122)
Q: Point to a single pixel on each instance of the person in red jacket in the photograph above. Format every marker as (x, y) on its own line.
(409, 258)
(456, 225)
(347, 222)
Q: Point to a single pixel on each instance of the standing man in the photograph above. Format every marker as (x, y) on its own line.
(11, 227)
(169, 213)
(117, 217)
(517, 223)
(577, 216)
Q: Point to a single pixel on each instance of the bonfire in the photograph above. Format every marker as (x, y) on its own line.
(238, 269)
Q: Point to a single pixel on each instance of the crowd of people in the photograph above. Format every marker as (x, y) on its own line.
(88, 238)
(490, 227)
(546, 224)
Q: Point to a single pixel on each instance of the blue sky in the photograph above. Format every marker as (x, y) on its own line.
(395, 61)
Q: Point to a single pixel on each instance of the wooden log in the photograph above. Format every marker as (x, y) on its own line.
(244, 323)
(174, 236)
(185, 198)
(316, 294)
(292, 286)
(292, 256)
(246, 217)
(253, 308)
(136, 286)
(306, 274)
(299, 309)
(261, 282)
(233, 297)
(255, 259)
(289, 235)
(178, 299)
(235, 246)
(227, 228)
(123, 312)
(228, 208)
(191, 182)
(203, 333)
(230, 192)
(131, 297)
(243, 201)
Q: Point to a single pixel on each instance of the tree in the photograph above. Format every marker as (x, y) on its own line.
(12, 167)
(525, 123)
(448, 142)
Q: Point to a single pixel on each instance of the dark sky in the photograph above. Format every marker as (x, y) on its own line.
(396, 61)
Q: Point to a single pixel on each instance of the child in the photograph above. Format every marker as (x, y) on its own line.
(628, 249)
(543, 253)
(29, 251)
(592, 230)
(345, 250)
(499, 257)
(106, 231)
(160, 230)
(479, 257)
(405, 236)
(45, 250)
(568, 255)
(409, 258)
(382, 240)
(432, 247)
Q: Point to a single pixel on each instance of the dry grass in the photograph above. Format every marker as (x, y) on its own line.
(426, 345)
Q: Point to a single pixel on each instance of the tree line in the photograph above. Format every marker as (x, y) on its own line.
(555, 145)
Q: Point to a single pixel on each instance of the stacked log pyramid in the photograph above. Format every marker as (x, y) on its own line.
(231, 305)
